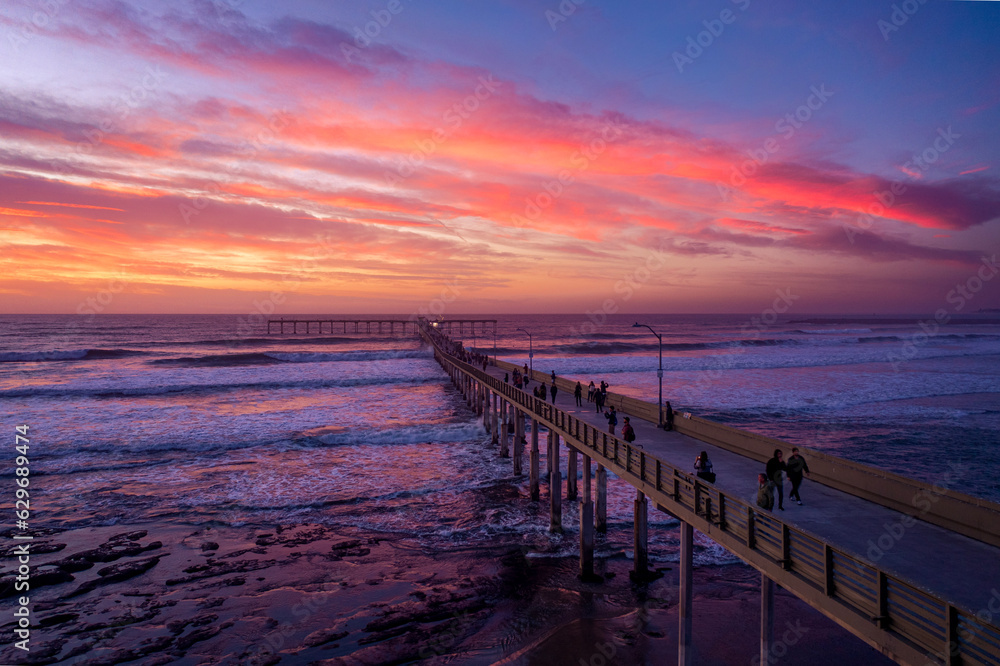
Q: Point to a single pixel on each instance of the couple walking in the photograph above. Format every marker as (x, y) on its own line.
(772, 479)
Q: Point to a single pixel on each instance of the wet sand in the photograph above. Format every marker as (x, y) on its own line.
(311, 594)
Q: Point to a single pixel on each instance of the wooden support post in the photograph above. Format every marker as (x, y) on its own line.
(555, 485)
(494, 412)
(586, 526)
(766, 618)
(571, 475)
(534, 460)
(518, 441)
(601, 522)
(548, 456)
(640, 560)
(685, 646)
(504, 429)
(486, 407)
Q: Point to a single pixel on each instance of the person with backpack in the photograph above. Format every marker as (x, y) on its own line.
(628, 433)
(703, 467)
(765, 494)
(612, 417)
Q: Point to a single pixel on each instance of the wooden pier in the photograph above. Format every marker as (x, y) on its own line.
(904, 565)
(366, 325)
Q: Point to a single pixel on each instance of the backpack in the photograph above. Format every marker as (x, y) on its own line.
(629, 434)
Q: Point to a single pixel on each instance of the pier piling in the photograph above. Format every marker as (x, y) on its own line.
(494, 410)
(571, 474)
(505, 428)
(766, 618)
(518, 441)
(640, 560)
(534, 460)
(601, 522)
(685, 647)
(586, 526)
(555, 485)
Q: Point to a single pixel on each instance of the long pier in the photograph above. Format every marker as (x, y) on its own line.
(365, 325)
(904, 565)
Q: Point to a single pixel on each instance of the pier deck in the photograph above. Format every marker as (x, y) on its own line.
(920, 591)
(954, 567)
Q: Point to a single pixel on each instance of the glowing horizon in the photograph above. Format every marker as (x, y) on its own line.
(199, 158)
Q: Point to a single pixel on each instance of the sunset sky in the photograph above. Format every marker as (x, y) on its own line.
(520, 156)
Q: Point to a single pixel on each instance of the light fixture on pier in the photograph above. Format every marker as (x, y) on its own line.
(659, 373)
(531, 354)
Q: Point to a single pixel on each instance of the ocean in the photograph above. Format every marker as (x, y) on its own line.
(194, 425)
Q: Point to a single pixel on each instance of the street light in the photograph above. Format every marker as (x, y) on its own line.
(531, 355)
(659, 372)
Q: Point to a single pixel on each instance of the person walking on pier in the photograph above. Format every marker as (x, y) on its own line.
(796, 467)
(612, 417)
(553, 376)
(555, 389)
(591, 391)
(669, 417)
(765, 496)
(578, 394)
(598, 401)
(542, 391)
(775, 466)
(506, 378)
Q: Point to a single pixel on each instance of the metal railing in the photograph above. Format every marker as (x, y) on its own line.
(904, 621)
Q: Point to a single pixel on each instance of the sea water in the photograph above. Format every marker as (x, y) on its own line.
(193, 420)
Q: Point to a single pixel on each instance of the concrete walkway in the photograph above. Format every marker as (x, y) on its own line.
(954, 567)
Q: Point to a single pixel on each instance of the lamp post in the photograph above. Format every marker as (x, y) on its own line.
(659, 372)
(531, 355)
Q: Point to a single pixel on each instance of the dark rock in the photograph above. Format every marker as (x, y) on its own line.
(35, 548)
(73, 565)
(129, 536)
(210, 570)
(61, 618)
(322, 637)
(116, 573)
(344, 545)
(214, 602)
(196, 636)
(210, 545)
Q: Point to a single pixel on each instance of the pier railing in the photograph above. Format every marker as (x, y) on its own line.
(933, 503)
(894, 615)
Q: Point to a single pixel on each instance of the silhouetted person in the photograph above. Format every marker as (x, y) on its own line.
(578, 394)
(775, 466)
(628, 432)
(795, 468)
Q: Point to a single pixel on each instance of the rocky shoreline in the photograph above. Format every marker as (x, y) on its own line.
(320, 596)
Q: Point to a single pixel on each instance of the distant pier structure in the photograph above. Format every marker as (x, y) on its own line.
(449, 326)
